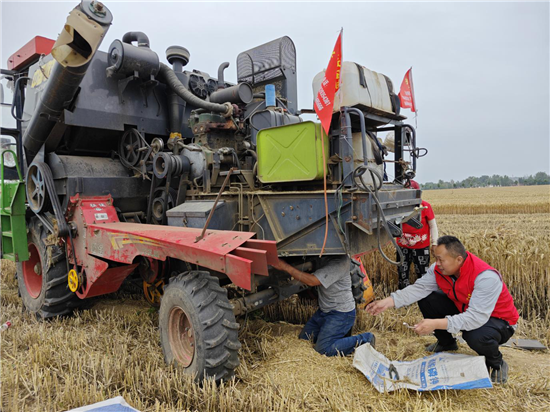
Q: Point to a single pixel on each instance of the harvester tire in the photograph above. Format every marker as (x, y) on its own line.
(42, 279)
(198, 331)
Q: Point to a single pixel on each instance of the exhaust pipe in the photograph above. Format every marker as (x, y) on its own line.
(73, 51)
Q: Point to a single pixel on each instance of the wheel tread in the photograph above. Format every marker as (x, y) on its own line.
(55, 299)
(213, 320)
(212, 343)
(218, 329)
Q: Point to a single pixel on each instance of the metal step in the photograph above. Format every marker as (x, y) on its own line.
(12, 212)
(8, 256)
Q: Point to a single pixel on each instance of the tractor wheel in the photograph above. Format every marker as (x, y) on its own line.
(42, 279)
(198, 330)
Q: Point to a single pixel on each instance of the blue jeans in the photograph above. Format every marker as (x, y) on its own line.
(327, 330)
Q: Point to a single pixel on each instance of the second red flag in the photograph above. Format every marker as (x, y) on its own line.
(324, 101)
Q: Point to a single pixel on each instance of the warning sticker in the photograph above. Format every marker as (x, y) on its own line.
(101, 216)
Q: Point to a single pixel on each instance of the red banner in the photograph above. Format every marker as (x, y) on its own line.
(330, 85)
(406, 94)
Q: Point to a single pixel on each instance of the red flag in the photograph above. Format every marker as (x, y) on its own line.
(329, 86)
(406, 94)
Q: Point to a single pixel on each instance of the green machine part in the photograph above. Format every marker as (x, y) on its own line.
(12, 215)
(292, 153)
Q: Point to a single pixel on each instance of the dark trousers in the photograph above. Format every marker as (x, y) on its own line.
(421, 260)
(330, 332)
(485, 340)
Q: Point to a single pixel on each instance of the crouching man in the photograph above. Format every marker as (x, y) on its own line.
(330, 326)
(460, 292)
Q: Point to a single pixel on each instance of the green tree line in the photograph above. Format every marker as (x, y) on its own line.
(541, 178)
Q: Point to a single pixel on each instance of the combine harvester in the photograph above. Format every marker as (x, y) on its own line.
(131, 168)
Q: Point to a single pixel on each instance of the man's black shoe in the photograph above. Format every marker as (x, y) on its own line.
(437, 347)
(500, 375)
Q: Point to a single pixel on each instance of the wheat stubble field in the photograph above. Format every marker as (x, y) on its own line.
(113, 348)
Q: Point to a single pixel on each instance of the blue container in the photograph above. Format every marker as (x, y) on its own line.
(270, 95)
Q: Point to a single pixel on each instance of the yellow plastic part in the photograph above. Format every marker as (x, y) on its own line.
(153, 291)
(368, 293)
(72, 280)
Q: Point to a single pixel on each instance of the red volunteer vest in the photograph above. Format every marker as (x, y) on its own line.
(461, 290)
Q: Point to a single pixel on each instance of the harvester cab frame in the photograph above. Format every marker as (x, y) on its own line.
(134, 169)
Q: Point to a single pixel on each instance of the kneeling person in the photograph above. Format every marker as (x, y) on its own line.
(460, 292)
(331, 324)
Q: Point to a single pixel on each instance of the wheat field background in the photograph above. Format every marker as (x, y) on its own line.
(112, 348)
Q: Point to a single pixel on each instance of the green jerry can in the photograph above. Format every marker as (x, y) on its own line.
(291, 153)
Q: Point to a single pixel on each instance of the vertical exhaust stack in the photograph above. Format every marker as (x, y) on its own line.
(73, 51)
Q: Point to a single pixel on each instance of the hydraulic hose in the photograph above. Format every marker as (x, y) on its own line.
(358, 173)
(172, 81)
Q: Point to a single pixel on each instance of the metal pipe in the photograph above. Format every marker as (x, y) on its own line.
(174, 105)
(346, 146)
(172, 81)
(140, 37)
(239, 94)
(255, 301)
(266, 297)
(73, 54)
(221, 81)
(363, 133)
(215, 204)
(178, 57)
(413, 143)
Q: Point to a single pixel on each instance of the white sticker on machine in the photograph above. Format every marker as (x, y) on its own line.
(101, 216)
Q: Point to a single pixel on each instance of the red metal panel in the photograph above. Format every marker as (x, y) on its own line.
(122, 242)
(29, 52)
(269, 246)
(238, 270)
(258, 258)
(101, 237)
(108, 281)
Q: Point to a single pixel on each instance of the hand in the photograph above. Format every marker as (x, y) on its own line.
(425, 327)
(379, 306)
(432, 249)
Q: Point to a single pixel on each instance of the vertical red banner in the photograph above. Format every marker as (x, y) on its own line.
(324, 101)
(406, 94)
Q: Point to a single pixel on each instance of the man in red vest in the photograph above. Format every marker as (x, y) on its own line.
(460, 292)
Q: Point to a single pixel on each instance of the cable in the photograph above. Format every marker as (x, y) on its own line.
(254, 219)
(360, 171)
(281, 103)
(249, 117)
(16, 92)
(380, 213)
(236, 158)
(338, 199)
(325, 191)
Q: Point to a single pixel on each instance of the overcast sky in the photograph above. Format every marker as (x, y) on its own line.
(481, 70)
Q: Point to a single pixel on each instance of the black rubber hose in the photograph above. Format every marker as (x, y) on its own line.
(380, 214)
(172, 81)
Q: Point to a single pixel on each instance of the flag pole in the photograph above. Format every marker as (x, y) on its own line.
(341, 38)
(342, 64)
(414, 100)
